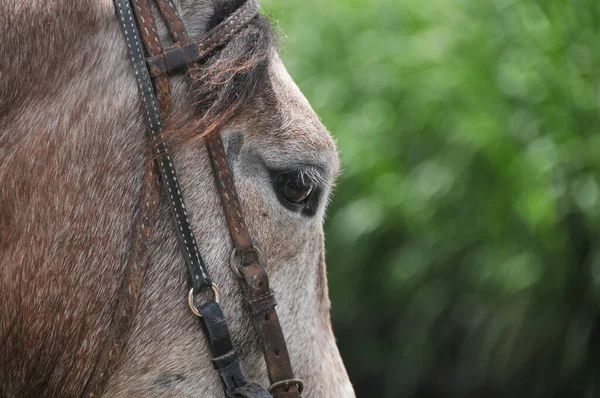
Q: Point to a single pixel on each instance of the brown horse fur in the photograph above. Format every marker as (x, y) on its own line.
(72, 152)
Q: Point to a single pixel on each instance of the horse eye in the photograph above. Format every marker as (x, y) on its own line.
(294, 188)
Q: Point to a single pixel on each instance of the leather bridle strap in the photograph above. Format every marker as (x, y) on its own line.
(245, 260)
(259, 296)
(224, 356)
(132, 284)
(247, 265)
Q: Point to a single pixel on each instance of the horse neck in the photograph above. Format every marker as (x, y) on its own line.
(70, 179)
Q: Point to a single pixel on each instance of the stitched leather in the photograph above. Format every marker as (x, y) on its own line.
(172, 59)
(231, 205)
(132, 284)
(260, 299)
(198, 276)
(220, 341)
(172, 20)
(225, 359)
(258, 294)
(224, 356)
(151, 41)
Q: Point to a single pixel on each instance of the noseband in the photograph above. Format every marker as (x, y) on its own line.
(153, 65)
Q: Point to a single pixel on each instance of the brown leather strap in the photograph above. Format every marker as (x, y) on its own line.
(210, 315)
(171, 18)
(174, 24)
(132, 285)
(259, 296)
(185, 52)
(151, 42)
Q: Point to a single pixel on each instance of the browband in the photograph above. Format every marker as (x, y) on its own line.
(177, 57)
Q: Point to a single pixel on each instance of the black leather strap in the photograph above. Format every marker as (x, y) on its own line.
(224, 356)
(199, 278)
(223, 352)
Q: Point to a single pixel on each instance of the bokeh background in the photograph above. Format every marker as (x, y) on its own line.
(463, 237)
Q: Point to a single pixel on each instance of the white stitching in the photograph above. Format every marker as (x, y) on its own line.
(143, 83)
(155, 127)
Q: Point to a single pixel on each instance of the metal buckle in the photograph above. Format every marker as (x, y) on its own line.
(233, 265)
(190, 300)
(286, 385)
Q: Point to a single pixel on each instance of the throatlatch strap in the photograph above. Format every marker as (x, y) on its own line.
(212, 315)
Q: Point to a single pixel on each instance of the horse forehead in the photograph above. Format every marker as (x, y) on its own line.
(300, 123)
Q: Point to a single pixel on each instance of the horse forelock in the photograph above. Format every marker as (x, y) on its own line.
(226, 82)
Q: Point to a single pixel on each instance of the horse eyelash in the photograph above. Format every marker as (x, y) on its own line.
(310, 175)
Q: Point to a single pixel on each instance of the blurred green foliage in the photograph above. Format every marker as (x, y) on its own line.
(462, 239)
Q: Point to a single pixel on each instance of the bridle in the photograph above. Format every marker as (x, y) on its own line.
(153, 65)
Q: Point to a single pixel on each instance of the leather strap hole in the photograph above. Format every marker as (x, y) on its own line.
(267, 317)
(277, 352)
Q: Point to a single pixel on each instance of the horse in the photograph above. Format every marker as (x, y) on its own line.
(74, 163)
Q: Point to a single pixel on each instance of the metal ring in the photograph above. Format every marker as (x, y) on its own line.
(233, 265)
(286, 384)
(191, 304)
